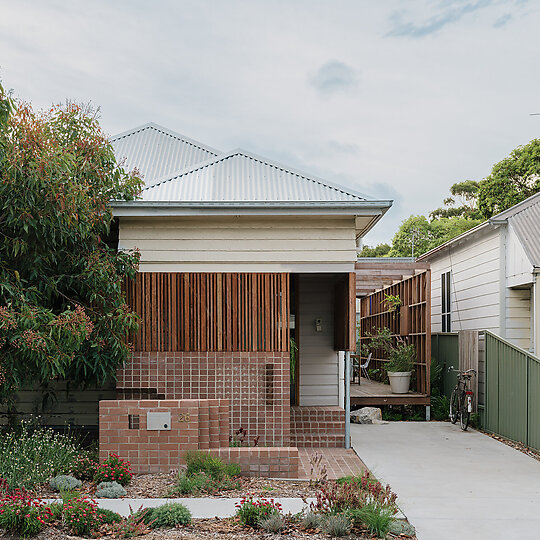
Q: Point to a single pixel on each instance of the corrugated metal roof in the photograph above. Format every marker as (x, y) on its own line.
(526, 224)
(158, 152)
(524, 218)
(243, 177)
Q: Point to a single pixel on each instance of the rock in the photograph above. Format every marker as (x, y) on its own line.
(400, 526)
(367, 415)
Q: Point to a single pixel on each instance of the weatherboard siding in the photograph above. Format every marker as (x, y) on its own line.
(475, 292)
(319, 371)
(518, 317)
(241, 243)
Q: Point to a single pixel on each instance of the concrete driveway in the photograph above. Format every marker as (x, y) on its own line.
(453, 484)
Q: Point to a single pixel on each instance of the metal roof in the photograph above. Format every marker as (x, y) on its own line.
(242, 177)
(526, 223)
(524, 218)
(158, 152)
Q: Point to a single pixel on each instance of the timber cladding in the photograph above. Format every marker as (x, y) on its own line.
(210, 311)
(410, 321)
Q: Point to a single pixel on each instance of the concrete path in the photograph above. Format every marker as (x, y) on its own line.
(453, 484)
(207, 507)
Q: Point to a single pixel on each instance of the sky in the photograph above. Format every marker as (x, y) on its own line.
(398, 100)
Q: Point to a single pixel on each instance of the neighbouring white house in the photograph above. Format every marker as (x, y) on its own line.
(489, 277)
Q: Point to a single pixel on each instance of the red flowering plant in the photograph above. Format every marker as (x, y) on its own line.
(250, 510)
(63, 309)
(21, 514)
(354, 493)
(114, 469)
(84, 467)
(81, 516)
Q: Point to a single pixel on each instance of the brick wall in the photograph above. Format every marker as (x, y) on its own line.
(195, 424)
(265, 462)
(255, 383)
(318, 426)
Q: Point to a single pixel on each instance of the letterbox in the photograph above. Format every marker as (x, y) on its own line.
(156, 421)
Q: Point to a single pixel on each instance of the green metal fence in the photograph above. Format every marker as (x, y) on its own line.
(512, 399)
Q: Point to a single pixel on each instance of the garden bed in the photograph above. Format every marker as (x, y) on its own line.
(216, 528)
(159, 485)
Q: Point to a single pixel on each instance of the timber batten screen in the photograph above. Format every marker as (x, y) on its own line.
(210, 311)
(411, 321)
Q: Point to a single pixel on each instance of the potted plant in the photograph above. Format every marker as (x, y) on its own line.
(401, 359)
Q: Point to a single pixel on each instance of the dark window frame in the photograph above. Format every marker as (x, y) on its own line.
(446, 302)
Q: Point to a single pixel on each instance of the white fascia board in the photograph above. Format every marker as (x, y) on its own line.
(158, 208)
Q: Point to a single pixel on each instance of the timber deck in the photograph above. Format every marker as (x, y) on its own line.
(369, 393)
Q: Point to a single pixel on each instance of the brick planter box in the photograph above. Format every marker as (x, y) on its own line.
(266, 462)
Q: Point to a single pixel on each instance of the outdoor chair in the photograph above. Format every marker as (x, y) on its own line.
(363, 369)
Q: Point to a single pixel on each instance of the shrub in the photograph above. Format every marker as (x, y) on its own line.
(337, 497)
(168, 515)
(201, 483)
(336, 525)
(232, 469)
(64, 483)
(29, 457)
(251, 511)
(375, 518)
(22, 515)
(197, 484)
(81, 516)
(56, 511)
(272, 524)
(84, 467)
(311, 521)
(202, 462)
(108, 516)
(114, 469)
(110, 490)
(136, 524)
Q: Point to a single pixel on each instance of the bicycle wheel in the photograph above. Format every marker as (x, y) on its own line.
(454, 406)
(465, 414)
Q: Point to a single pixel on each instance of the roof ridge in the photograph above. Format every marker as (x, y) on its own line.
(264, 161)
(168, 132)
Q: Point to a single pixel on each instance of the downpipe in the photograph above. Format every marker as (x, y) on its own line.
(347, 399)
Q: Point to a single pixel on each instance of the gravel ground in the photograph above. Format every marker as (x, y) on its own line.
(158, 485)
(212, 528)
(517, 445)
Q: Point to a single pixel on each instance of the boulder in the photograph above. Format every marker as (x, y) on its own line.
(367, 415)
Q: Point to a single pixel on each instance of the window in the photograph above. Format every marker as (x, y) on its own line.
(446, 302)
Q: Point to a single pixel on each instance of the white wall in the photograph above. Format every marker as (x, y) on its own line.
(319, 367)
(518, 317)
(242, 243)
(477, 294)
(475, 290)
(519, 270)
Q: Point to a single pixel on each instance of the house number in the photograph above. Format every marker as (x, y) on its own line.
(183, 417)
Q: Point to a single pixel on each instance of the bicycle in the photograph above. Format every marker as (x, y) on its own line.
(461, 398)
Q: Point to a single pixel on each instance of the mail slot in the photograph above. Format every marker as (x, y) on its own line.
(156, 421)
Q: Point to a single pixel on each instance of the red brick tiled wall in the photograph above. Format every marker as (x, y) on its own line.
(195, 424)
(318, 426)
(266, 462)
(255, 383)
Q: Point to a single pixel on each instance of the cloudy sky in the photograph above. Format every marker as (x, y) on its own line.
(396, 99)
